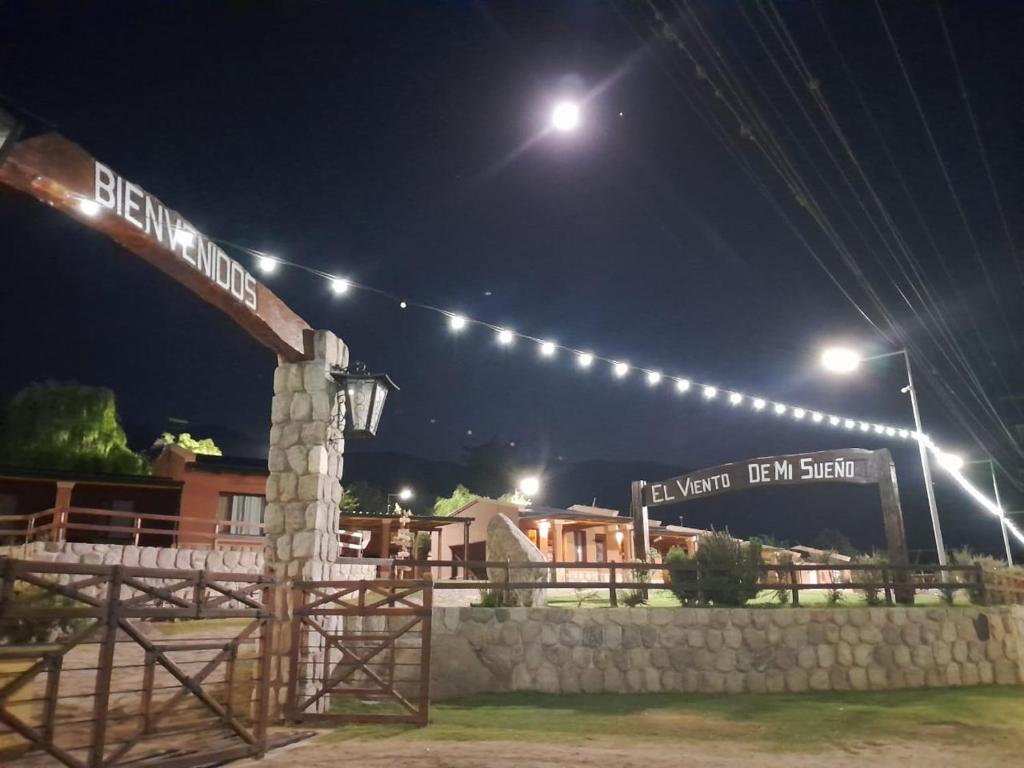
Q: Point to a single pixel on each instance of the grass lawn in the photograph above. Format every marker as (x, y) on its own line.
(988, 718)
(809, 598)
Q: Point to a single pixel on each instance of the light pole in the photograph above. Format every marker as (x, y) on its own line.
(1002, 519)
(841, 360)
(405, 494)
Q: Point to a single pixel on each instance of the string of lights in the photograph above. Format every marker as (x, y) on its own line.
(585, 359)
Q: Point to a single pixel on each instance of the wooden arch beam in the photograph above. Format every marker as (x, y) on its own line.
(61, 174)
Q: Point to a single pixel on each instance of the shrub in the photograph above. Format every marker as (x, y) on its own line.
(497, 598)
(872, 595)
(781, 596)
(726, 572)
(633, 598)
(683, 583)
(636, 597)
(729, 569)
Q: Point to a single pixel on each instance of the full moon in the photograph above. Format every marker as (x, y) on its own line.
(565, 116)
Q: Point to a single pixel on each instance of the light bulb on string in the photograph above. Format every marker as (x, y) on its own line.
(584, 359)
(864, 426)
(340, 285)
(816, 417)
(709, 392)
(849, 423)
(547, 348)
(735, 398)
(682, 385)
(779, 409)
(505, 337)
(88, 207)
(799, 413)
(653, 378)
(620, 369)
(456, 322)
(759, 403)
(266, 264)
(834, 421)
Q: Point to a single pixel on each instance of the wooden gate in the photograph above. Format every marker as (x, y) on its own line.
(107, 665)
(361, 652)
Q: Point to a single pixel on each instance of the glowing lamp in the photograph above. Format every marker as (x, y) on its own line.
(365, 394)
(91, 208)
(565, 116)
(840, 360)
(529, 486)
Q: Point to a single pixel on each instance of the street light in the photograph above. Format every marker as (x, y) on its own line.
(405, 494)
(844, 360)
(529, 486)
(565, 116)
(1002, 518)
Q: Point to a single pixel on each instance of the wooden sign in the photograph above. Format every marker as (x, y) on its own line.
(847, 465)
(850, 465)
(61, 174)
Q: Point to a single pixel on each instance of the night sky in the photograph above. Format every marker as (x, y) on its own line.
(403, 145)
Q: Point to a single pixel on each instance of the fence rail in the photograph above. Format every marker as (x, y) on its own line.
(116, 527)
(88, 676)
(894, 582)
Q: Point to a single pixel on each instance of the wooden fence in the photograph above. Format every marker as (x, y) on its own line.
(112, 527)
(94, 673)
(893, 583)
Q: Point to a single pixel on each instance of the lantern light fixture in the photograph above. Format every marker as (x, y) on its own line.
(365, 395)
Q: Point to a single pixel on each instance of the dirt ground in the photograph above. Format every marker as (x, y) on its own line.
(321, 753)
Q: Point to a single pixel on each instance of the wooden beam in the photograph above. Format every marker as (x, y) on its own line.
(63, 175)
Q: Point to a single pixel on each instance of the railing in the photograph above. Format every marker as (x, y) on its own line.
(111, 526)
(115, 527)
(894, 583)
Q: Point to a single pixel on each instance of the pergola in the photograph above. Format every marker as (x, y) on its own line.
(382, 526)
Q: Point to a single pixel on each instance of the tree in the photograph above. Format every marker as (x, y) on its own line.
(832, 540)
(491, 467)
(66, 427)
(361, 498)
(204, 446)
(461, 496)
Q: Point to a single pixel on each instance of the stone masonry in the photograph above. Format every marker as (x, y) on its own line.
(698, 650)
(306, 447)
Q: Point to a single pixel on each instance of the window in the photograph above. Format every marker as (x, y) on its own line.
(579, 543)
(600, 553)
(242, 512)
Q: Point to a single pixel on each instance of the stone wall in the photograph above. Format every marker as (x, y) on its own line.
(699, 650)
(248, 561)
(232, 561)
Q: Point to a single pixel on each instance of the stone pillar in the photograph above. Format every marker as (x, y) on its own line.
(306, 459)
(303, 494)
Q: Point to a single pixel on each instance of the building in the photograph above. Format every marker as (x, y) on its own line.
(188, 500)
(579, 534)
